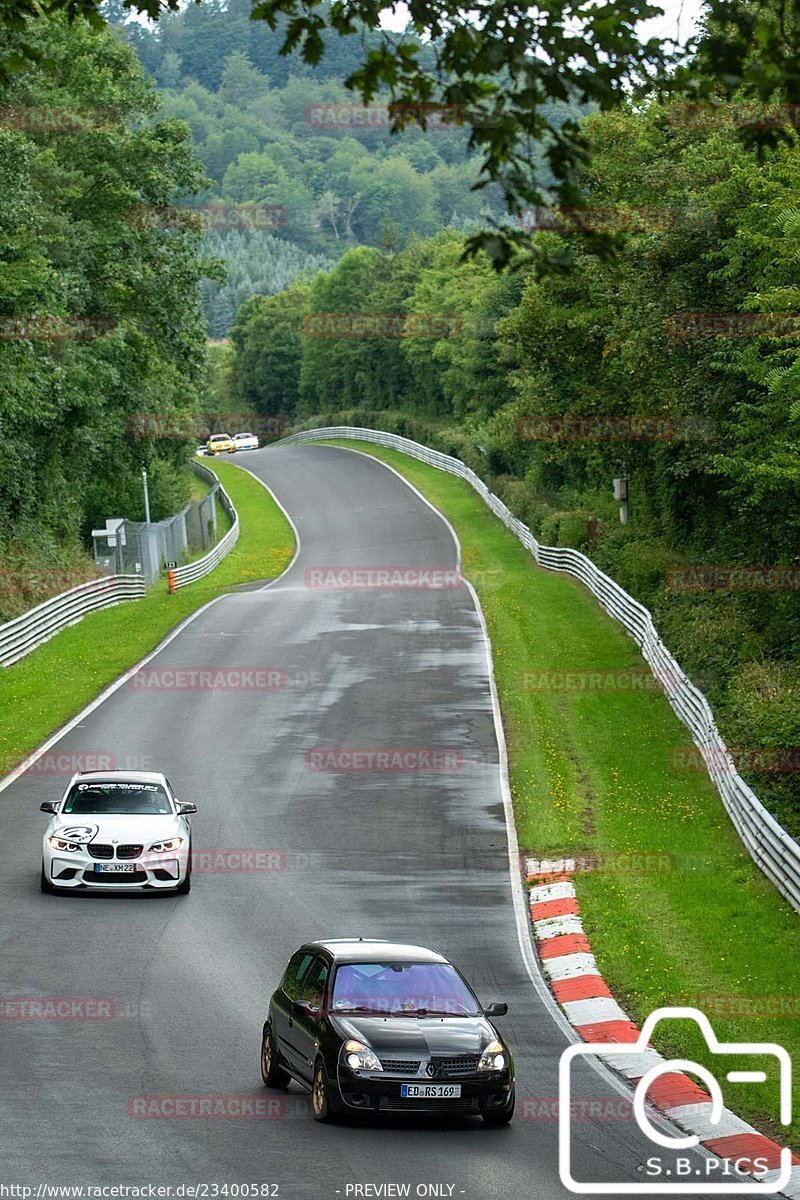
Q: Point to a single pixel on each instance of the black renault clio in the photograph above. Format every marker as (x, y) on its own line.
(376, 1027)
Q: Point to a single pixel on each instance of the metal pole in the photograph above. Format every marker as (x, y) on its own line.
(146, 496)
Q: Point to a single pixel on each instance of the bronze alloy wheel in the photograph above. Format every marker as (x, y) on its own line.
(319, 1094)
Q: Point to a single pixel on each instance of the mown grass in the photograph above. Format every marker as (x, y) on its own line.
(41, 692)
(591, 773)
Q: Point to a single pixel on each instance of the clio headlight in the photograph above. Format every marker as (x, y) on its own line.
(360, 1057)
(493, 1057)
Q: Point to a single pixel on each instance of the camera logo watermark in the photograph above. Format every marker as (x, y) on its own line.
(695, 1171)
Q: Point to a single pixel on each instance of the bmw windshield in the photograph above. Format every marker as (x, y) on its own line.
(402, 989)
(118, 799)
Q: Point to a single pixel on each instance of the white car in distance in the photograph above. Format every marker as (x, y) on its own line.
(245, 441)
(120, 831)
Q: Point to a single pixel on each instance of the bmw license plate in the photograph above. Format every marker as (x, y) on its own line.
(114, 868)
(430, 1091)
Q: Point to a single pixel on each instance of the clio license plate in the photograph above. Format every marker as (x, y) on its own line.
(430, 1091)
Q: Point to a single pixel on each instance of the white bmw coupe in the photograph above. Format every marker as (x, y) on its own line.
(120, 830)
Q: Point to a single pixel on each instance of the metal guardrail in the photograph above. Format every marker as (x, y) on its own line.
(24, 633)
(769, 845)
(182, 576)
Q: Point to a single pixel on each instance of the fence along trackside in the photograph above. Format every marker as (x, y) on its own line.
(769, 845)
(182, 576)
(24, 633)
(39, 624)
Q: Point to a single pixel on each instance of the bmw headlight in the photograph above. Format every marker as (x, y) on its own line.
(166, 847)
(493, 1057)
(58, 843)
(360, 1057)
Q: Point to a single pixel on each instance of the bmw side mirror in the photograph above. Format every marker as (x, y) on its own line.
(49, 807)
(498, 1009)
(184, 810)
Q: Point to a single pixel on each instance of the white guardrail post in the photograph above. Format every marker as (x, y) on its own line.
(769, 845)
(181, 576)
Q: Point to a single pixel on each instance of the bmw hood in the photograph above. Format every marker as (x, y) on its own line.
(131, 830)
(410, 1037)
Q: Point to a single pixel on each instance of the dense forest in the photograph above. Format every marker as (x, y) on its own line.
(271, 130)
(538, 382)
(100, 314)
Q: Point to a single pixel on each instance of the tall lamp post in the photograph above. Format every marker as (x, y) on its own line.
(146, 496)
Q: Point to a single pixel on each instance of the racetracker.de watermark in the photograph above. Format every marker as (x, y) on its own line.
(740, 115)
(207, 1106)
(381, 116)
(737, 759)
(600, 428)
(57, 1008)
(66, 763)
(685, 325)
(641, 862)
(48, 328)
(55, 119)
(207, 216)
(736, 1007)
(47, 580)
(733, 579)
(581, 1108)
(613, 218)
(390, 759)
(235, 861)
(631, 679)
(207, 679)
(382, 325)
(381, 578)
(201, 426)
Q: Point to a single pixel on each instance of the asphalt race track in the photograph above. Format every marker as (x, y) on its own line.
(420, 856)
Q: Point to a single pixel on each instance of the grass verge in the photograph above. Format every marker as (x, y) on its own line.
(41, 692)
(593, 772)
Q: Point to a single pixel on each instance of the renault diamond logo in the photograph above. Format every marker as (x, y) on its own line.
(430, 1069)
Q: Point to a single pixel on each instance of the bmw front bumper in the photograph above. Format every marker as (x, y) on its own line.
(79, 869)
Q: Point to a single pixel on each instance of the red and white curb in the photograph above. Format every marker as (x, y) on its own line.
(583, 994)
